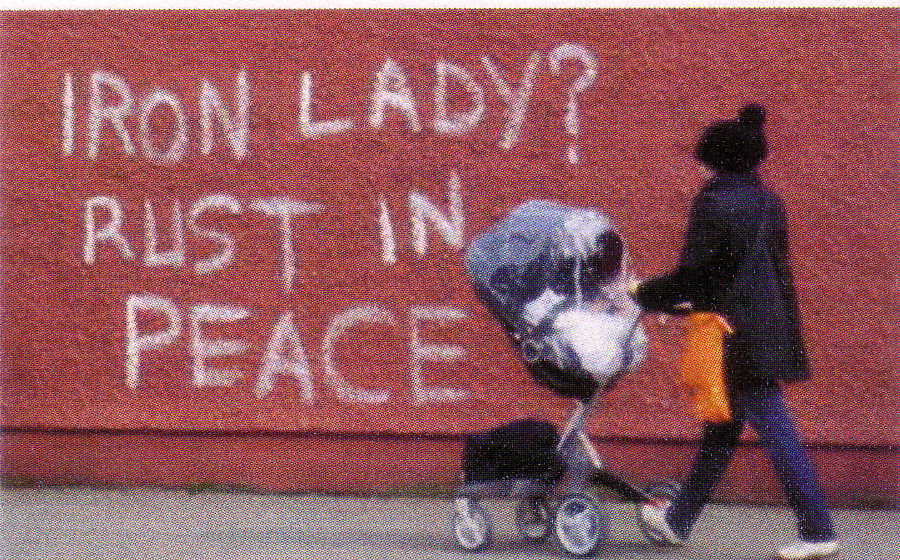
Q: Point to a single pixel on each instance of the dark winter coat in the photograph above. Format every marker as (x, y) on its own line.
(735, 262)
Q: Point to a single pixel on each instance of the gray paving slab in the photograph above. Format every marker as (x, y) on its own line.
(88, 524)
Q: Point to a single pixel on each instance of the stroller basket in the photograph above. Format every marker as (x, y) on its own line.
(525, 449)
(554, 492)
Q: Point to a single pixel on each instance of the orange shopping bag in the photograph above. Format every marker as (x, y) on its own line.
(703, 365)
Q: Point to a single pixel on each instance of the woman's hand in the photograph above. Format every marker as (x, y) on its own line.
(679, 308)
(633, 287)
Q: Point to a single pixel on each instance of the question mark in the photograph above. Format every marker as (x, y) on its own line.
(571, 51)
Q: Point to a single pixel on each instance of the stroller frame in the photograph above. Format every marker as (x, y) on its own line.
(565, 507)
(588, 462)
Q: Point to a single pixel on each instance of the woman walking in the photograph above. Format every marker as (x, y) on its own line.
(734, 262)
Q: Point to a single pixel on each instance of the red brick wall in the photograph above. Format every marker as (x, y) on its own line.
(828, 79)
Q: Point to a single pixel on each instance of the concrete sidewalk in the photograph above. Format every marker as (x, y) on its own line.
(145, 524)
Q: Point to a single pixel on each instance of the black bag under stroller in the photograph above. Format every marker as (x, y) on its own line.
(518, 450)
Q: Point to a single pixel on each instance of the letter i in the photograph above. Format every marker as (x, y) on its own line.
(68, 116)
(388, 243)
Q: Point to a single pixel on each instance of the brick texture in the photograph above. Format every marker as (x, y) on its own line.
(827, 77)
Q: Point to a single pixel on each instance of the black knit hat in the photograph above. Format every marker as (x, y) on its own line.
(735, 146)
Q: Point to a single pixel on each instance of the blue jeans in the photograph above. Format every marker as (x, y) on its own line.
(760, 403)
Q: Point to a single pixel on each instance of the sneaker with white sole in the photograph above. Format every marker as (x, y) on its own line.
(656, 526)
(805, 550)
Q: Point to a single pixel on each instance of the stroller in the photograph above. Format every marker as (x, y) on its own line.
(555, 278)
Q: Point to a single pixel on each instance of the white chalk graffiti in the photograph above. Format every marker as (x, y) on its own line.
(422, 212)
(111, 231)
(113, 106)
(104, 222)
(137, 342)
(392, 90)
(285, 209)
(388, 241)
(68, 115)
(588, 76)
(285, 354)
(202, 348)
(178, 142)
(449, 227)
(516, 101)
(313, 129)
(172, 257)
(459, 122)
(112, 102)
(226, 257)
(237, 129)
(424, 215)
(421, 352)
(339, 325)
(100, 112)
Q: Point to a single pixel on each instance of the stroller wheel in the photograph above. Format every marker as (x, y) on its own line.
(533, 519)
(663, 493)
(471, 525)
(580, 526)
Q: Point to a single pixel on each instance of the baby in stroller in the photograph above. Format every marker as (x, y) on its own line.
(555, 277)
